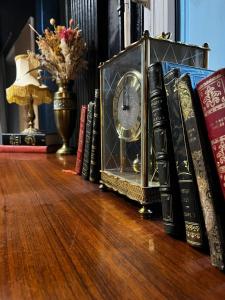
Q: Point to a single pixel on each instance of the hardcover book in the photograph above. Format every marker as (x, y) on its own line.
(95, 145)
(210, 197)
(211, 91)
(88, 140)
(28, 149)
(39, 139)
(194, 223)
(169, 188)
(81, 140)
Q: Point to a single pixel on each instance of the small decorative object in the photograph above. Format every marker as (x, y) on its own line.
(61, 55)
(27, 90)
(126, 117)
(137, 164)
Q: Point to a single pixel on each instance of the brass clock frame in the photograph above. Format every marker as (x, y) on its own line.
(147, 190)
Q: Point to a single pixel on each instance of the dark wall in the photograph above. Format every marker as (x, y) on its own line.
(92, 17)
(13, 17)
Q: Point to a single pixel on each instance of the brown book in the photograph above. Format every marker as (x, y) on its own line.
(88, 141)
(81, 139)
(95, 145)
(211, 91)
(209, 190)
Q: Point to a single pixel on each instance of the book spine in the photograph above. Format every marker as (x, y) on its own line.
(169, 188)
(194, 223)
(26, 149)
(198, 152)
(81, 139)
(95, 146)
(21, 139)
(88, 139)
(212, 94)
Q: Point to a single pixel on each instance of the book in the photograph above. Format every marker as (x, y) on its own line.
(81, 140)
(211, 91)
(210, 196)
(95, 145)
(28, 149)
(197, 73)
(88, 140)
(40, 139)
(194, 222)
(169, 188)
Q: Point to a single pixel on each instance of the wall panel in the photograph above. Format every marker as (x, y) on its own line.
(92, 17)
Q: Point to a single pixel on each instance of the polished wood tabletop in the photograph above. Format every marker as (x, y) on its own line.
(62, 238)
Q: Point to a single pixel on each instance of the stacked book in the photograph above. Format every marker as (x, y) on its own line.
(30, 143)
(188, 110)
(88, 151)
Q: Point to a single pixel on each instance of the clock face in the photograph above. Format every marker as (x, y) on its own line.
(127, 106)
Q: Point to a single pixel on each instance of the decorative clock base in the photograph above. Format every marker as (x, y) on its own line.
(134, 191)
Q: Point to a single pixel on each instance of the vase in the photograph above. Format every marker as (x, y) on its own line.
(65, 114)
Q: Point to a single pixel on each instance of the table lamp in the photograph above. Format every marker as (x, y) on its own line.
(27, 90)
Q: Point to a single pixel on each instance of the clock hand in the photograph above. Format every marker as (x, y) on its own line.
(125, 93)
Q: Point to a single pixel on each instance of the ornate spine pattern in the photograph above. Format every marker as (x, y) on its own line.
(169, 187)
(32, 139)
(81, 139)
(95, 145)
(211, 92)
(212, 221)
(194, 223)
(88, 139)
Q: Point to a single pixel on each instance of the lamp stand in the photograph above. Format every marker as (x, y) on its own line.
(30, 119)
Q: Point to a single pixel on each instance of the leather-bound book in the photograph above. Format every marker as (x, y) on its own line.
(88, 140)
(169, 187)
(194, 222)
(211, 91)
(81, 140)
(37, 139)
(95, 145)
(208, 186)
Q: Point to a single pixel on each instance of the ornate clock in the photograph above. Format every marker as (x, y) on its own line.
(127, 147)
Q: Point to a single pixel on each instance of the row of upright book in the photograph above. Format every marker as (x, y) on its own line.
(88, 150)
(188, 115)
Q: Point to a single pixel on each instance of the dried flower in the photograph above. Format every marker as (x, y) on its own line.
(71, 22)
(52, 21)
(61, 51)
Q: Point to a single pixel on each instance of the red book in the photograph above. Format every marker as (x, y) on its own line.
(211, 92)
(28, 149)
(80, 148)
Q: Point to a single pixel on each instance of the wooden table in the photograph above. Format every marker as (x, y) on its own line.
(61, 238)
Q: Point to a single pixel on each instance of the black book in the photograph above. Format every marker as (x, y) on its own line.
(194, 222)
(88, 141)
(169, 187)
(37, 139)
(95, 145)
(208, 184)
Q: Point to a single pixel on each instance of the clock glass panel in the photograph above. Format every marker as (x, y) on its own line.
(122, 91)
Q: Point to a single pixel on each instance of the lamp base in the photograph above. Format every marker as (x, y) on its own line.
(31, 131)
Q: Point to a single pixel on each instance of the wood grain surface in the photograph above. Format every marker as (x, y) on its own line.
(62, 238)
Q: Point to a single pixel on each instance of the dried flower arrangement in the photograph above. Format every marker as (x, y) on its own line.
(61, 51)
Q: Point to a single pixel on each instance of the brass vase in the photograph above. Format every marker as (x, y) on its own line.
(65, 114)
